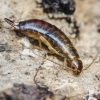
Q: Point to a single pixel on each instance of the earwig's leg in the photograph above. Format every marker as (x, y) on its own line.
(53, 50)
(40, 44)
(39, 40)
(65, 63)
(69, 63)
(49, 45)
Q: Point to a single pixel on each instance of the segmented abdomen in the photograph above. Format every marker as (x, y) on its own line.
(54, 36)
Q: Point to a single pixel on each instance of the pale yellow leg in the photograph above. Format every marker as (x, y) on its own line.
(65, 63)
(40, 44)
(49, 45)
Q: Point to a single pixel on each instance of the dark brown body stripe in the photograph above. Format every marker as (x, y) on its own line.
(52, 29)
(39, 24)
(46, 26)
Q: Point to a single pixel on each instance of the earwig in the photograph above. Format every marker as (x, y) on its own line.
(56, 41)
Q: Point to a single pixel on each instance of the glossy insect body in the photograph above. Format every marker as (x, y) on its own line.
(57, 42)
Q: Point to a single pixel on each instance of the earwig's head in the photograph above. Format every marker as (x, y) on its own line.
(77, 66)
(12, 23)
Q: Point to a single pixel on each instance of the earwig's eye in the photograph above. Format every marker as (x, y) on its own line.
(73, 67)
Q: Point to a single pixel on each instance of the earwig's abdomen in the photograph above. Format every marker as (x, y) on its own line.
(55, 36)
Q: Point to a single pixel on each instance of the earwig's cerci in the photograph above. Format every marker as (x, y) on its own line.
(56, 41)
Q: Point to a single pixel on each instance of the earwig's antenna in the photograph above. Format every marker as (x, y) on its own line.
(91, 62)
